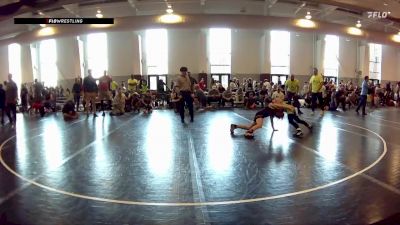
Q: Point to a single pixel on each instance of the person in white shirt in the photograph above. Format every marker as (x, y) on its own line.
(118, 104)
(278, 95)
(305, 90)
(268, 86)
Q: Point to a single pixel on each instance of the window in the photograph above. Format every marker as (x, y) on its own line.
(280, 52)
(222, 79)
(153, 81)
(97, 55)
(331, 56)
(35, 61)
(47, 62)
(157, 51)
(14, 62)
(375, 59)
(279, 79)
(220, 50)
(81, 56)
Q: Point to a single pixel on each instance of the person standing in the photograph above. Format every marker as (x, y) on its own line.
(24, 98)
(2, 103)
(76, 90)
(104, 91)
(363, 96)
(90, 92)
(316, 83)
(185, 88)
(11, 100)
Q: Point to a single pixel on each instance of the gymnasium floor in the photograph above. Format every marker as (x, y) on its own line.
(138, 169)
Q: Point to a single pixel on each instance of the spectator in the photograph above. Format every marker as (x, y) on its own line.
(118, 104)
(214, 96)
(202, 84)
(11, 100)
(69, 112)
(24, 98)
(90, 90)
(76, 91)
(132, 84)
(278, 95)
(227, 97)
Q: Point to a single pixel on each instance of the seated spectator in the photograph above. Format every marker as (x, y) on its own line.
(147, 102)
(69, 111)
(340, 98)
(202, 84)
(200, 99)
(278, 95)
(118, 104)
(263, 94)
(250, 100)
(214, 96)
(221, 88)
(175, 99)
(232, 85)
(227, 97)
(239, 96)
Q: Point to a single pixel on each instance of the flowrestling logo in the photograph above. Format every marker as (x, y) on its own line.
(377, 15)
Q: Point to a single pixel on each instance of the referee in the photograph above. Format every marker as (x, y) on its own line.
(185, 88)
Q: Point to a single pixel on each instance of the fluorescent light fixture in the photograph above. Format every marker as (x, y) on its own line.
(308, 16)
(100, 25)
(46, 31)
(99, 15)
(170, 18)
(169, 10)
(358, 24)
(354, 31)
(42, 25)
(304, 23)
(396, 37)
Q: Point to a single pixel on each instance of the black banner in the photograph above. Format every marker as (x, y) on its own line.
(63, 20)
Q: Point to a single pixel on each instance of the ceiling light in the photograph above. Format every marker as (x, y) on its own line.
(42, 25)
(46, 31)
(358, 24)
(99, 15)
(170, 18)
(354, 31)
(396, 37)
(100, 25)
(40, 13)
(308, 16)
(305, 23)
(385, 4)
(169, 10)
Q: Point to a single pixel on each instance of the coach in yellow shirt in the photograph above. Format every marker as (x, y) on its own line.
(316, 83)
(292, 87)
(132, 84)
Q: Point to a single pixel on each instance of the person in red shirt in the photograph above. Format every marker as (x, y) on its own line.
(202, 84)
(104, 90)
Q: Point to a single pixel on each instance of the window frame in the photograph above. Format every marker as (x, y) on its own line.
(220, 75)
(279, 78)
(376, 62)
(160, 67)
(227, 53)
(157, 79)
(280, 65)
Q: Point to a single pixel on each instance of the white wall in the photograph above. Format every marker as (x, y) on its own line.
(347, 58)
(3, 63)
(301, 53)
(389, 61)
(123, 52)
(246, 48)
(68, 58)
(183, 49)
(26, 64)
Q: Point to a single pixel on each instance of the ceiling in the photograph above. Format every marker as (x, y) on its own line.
(345, 12)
